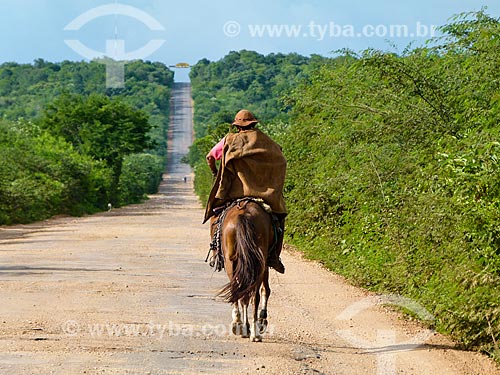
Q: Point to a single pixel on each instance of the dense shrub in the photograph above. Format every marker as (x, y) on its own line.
(394, 175)
(43, 175)
(393, 172)
(141, 175)
(244, 79)
(66, 138)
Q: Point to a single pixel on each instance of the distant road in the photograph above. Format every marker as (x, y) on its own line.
(128, 292)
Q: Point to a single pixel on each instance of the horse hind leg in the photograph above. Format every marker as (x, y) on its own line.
(255, 331)
(266, 292)
(237, 325)
(240, 319)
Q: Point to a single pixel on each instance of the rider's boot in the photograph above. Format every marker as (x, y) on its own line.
(273, 259)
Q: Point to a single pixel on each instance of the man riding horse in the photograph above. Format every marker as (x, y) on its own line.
(252, 165)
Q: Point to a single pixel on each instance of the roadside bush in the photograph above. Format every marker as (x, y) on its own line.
(74, 165)
(141, 175)
(42, 176)
(393, 175)
(393, 172)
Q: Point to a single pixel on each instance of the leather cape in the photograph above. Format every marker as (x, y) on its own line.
(252, 165)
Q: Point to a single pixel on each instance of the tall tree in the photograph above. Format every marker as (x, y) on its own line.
(106, 129)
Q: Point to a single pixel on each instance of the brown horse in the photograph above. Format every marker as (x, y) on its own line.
(246, 236)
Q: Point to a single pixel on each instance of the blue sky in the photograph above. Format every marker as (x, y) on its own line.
(195, 29)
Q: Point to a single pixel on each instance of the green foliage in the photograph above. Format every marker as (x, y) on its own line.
(196, 158)
(105, 129)
(141, 175)
(80, 143)
(26, 89)
(394, 171)
(393, 167)
(243, 79)
(43, 175)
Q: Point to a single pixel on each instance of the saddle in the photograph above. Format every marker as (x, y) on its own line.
(217, 258)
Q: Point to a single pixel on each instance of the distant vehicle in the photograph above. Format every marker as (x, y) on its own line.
(180, 65)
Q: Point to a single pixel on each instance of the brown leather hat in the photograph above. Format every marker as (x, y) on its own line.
(244, 118)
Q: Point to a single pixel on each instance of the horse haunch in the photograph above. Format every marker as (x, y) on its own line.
(246, 237)
(246, 234)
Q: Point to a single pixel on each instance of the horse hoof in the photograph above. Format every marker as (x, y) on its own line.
(245, 331)
(237, 329)
(262, 325)
(257, 339)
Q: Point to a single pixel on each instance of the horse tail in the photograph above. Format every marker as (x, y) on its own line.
(249, 263)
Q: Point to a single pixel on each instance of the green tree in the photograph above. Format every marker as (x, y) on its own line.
(42, 174)
(393, 164)
(106, 129)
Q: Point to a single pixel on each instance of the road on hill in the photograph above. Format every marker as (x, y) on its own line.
(128, 292)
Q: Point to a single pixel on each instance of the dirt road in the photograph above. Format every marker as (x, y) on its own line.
(128, 292)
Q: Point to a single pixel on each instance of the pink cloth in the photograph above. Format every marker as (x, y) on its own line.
(216, 151)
